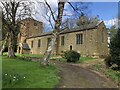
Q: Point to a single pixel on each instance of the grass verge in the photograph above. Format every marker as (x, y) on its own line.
(85, 59)
(18, 73)
(113, 74)
(30, 55)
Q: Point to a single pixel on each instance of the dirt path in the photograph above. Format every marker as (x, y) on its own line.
(77, 77)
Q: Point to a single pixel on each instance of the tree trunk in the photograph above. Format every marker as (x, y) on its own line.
(58, 22)
(57, 45)
(49, 50)
(11, 52)
(4, 44)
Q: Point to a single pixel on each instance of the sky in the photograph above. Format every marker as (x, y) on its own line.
(107, 11)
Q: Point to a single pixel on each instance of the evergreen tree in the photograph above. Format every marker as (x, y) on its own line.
(83, 20)
(113, 31)
(115, 49)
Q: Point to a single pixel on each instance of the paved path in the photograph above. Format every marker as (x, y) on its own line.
(77, 77)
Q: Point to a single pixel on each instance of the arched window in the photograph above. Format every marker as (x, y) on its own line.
(79, 38)
(39, 43)
(70, 47)
(31, 44)
(102, 36)
(62, 40)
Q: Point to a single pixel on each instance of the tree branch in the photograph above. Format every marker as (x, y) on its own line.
(50, 10)
(60, 13)
(74, 8)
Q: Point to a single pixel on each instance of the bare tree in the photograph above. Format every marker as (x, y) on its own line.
(57, 26)
(9, 18)
(56, 30)
(13, 12)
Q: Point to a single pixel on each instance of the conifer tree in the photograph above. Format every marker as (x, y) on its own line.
(115, 49)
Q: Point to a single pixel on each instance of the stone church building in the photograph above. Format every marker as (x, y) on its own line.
(89, 40)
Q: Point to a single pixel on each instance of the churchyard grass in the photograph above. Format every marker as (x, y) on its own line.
(19, 73)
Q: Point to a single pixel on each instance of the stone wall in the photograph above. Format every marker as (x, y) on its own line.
(43, 46)
(102, 43)
(88, 48)
(92, 42)
(29, 27)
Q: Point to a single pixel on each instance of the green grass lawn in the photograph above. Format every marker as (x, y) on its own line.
(30, 55)
(85, 59)
(18, 73)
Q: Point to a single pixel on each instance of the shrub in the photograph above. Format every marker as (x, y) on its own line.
(108, 62)
(72, 56)
(62, 54)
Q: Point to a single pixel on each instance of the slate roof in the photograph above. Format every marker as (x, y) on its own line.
(78, 28)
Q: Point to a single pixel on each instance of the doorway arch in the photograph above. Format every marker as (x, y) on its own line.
(70, 47)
